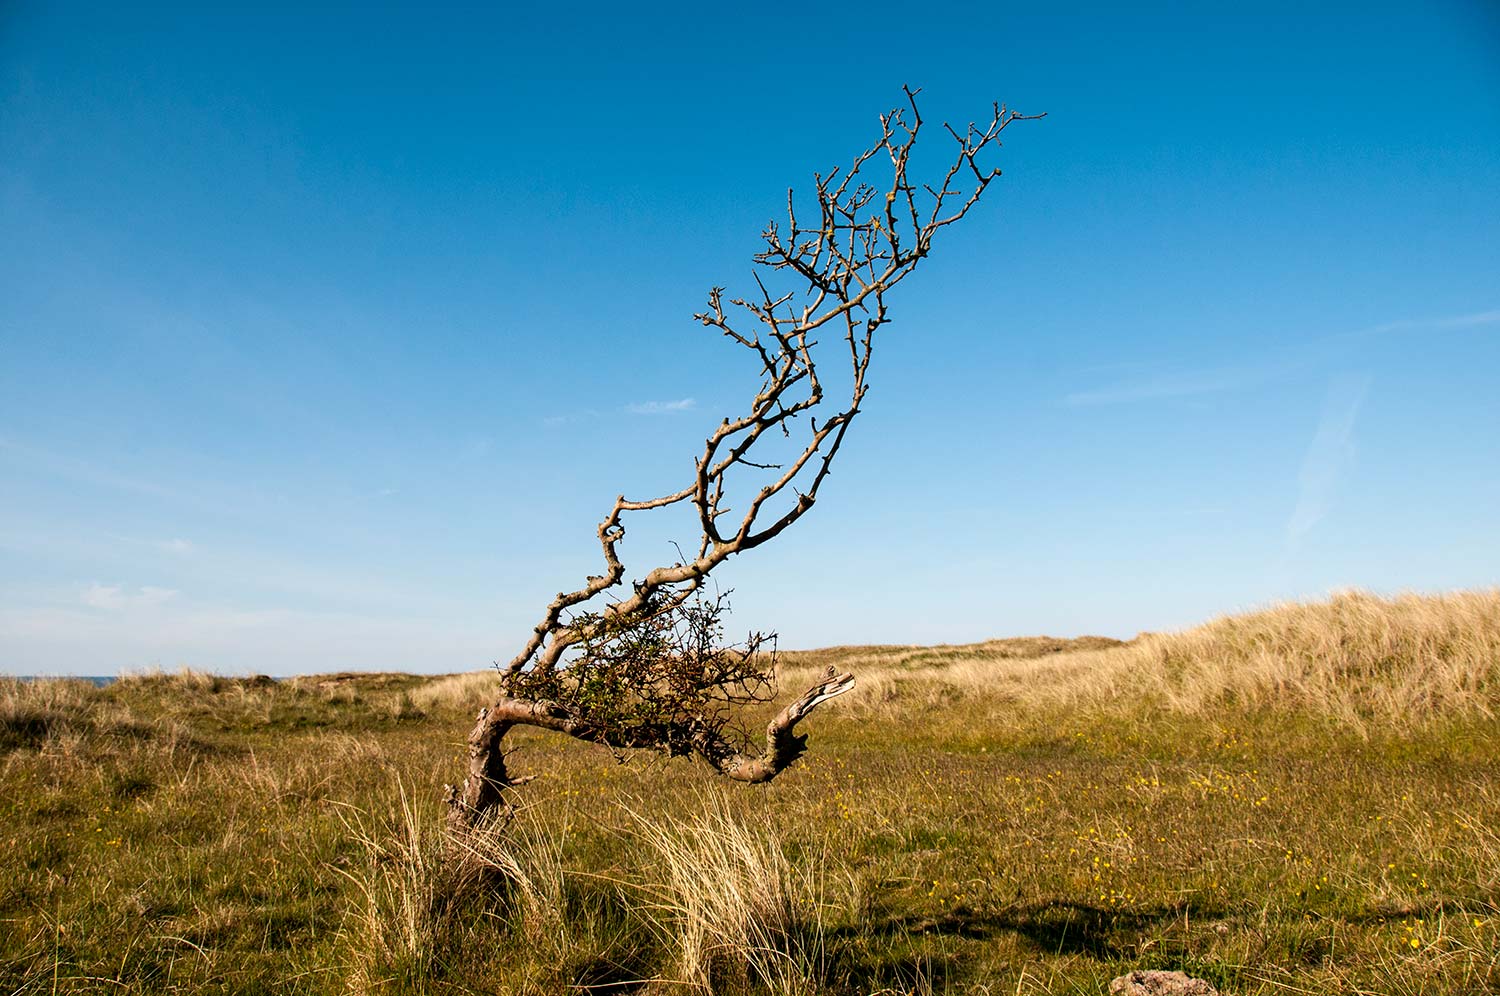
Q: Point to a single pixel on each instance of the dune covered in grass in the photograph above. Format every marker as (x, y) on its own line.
(1356, 660)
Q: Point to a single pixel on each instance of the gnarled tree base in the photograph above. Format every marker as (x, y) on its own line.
(484, 786)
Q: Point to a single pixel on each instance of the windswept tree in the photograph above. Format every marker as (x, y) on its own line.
(643, 664)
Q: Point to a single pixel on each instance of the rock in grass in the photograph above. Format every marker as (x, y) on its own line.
(1154, 982)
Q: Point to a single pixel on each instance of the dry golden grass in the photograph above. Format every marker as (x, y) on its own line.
(465, 692)
(734, 912)
(1358, 660)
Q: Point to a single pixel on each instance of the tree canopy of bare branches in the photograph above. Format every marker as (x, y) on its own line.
(648, 669)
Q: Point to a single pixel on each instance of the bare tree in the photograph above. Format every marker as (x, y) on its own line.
(649, 668)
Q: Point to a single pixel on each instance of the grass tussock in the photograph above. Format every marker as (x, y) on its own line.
(33, 712)
(731, 908)
(422, 898)
(495, 905)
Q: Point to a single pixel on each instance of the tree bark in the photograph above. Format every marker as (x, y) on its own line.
(487, 778)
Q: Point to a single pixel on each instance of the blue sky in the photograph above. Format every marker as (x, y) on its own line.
(326, 338)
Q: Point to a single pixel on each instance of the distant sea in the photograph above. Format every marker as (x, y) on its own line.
(97, 680)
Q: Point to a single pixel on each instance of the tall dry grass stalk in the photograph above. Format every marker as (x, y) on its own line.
(397, 930)
(430, 901)
(731, 906)
(528, 857)
(1358, 659)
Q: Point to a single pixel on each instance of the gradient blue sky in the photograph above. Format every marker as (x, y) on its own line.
(326, 338)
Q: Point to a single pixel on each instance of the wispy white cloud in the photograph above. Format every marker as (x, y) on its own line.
(568, 418)
(1180, 385)
(114, 598)
(175, 545)
(1156, 386)
(1469, 321)
(661, 407)
(81, 471)
(634, 408)
(1328, 457)
(476, 449)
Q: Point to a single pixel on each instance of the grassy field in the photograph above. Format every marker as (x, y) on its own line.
(1304, 800)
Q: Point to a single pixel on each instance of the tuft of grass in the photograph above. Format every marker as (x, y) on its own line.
(732, 909)
(52, 710)
(493, 903)
(410, 901)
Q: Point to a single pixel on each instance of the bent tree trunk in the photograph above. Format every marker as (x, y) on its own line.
(488, 778)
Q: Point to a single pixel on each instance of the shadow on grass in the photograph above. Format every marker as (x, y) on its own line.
(605, 977)
(895, 950)
(1056, 927)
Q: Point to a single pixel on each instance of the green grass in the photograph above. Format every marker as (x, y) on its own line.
(948, 833)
